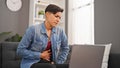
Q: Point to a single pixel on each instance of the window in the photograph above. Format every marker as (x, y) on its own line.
(81, 22)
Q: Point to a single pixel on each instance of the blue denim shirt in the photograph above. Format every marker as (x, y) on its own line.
(35, 41)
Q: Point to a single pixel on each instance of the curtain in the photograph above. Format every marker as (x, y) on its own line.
(83, 22)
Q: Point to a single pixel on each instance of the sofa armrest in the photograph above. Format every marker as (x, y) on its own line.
(114, 61)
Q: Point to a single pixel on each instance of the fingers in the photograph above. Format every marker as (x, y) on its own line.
(48, 51)
(46, 58)
(46, 55)
(52, 62)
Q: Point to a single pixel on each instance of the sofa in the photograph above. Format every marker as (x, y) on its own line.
(9, 59)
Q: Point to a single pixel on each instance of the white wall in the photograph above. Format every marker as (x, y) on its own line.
(107, 23)
(16, 22)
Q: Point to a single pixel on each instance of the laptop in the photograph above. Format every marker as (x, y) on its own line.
(86, 56)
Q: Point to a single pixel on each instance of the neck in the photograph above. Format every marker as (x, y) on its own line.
(48, 25)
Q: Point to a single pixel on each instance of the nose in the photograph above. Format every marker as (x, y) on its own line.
(58, 19)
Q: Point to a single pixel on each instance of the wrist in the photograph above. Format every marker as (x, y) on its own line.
(41, 55)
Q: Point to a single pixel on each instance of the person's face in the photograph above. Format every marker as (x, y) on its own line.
(53, 19)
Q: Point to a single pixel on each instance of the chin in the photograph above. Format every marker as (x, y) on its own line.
(54, 26)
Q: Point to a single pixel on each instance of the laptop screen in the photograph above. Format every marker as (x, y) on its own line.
(86, 56)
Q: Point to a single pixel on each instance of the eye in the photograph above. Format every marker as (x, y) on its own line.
(57, 16)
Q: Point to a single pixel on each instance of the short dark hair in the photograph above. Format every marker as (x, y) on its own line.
(53, 9)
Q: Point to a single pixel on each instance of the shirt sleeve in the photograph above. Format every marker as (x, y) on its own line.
(23, 47)
(64, 50)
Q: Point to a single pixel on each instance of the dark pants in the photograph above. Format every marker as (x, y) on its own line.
(45, 64)
(62, 65)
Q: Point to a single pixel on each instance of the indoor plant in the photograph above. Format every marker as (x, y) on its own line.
(41, 14)
(8, 37)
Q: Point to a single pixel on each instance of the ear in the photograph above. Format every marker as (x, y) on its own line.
(47, 14)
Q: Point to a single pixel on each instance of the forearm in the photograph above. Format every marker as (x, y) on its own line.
(63, 55)
(25, 53)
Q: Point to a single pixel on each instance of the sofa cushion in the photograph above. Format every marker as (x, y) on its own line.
(9, 57)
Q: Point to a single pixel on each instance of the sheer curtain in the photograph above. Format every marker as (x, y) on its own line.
(83, 22)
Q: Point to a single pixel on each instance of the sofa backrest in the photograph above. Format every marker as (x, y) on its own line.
(9, 57)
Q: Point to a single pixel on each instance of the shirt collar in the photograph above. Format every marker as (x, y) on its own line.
(43, 29)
